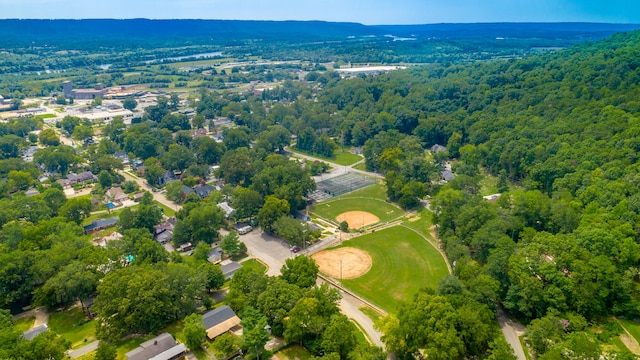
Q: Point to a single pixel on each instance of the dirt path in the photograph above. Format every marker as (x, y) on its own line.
(628, 340)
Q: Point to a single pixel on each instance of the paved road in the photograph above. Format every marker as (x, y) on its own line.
(350, 306)
(157, 196)
(511, 330)
(84, 350)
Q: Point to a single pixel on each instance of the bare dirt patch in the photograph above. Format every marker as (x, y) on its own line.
(355, 262)
(358, 219)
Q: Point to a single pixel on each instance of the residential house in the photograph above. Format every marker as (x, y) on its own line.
(229, 268)
(32, 192)
(438, 148)
(228, 210)
(162, 347)
(27, 154)
(116, 195)
(186, 191)
(101, 224)
(163, 232)
(164, 237)
(30, 334)
(166, 177)
(218, 321)
(73, 179)
(447, 175)
(201, 132)
(122, 156)
(215, 255)
(137, 197)
(204, 190)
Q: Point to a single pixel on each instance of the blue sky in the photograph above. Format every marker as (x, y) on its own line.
(362, 11)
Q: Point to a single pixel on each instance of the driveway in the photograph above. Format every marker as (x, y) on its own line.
(511, 331)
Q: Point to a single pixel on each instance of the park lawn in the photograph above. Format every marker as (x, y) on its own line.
(403, 262)
(254, 265)
(380, 208)
(294, 352)
(375, 191)
(361, 166)
(420, 222)
(165, 209)
(24, 324)
(73, 326)
(104, 215)
(340, 156)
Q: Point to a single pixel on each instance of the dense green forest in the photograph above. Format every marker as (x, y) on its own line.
(559, 249)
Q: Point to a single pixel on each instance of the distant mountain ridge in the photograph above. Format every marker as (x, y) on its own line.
(21, 32)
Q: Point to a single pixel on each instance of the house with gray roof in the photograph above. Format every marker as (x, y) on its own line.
(229, 268)
(101, 224)
(218, 321)
(162, 347)
(30, 334)
(204, 190)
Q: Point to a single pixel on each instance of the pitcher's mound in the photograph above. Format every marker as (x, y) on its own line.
(357, 219)
(355, 262)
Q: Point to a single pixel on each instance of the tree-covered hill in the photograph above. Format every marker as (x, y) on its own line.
(561, 133)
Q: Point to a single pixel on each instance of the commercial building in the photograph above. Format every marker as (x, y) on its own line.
(83, 94)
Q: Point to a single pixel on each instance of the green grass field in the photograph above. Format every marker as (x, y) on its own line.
(24, 324)
(254, 265)
(340, 157)
(380, 208)
(73, 326)
(294, 352)
(375, 191)
(403, 262)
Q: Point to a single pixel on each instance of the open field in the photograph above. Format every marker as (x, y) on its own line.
(254, 265)
(294, 352)
(73, 326)
(340, 157)
(403, 262)
(376, 191)
(331, 209)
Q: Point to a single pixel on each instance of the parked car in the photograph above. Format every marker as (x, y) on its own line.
(295, 249)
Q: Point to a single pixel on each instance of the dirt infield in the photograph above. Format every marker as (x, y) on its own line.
(355, 262)
(358, 219)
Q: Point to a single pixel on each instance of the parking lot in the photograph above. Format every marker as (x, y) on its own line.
(269, 249)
